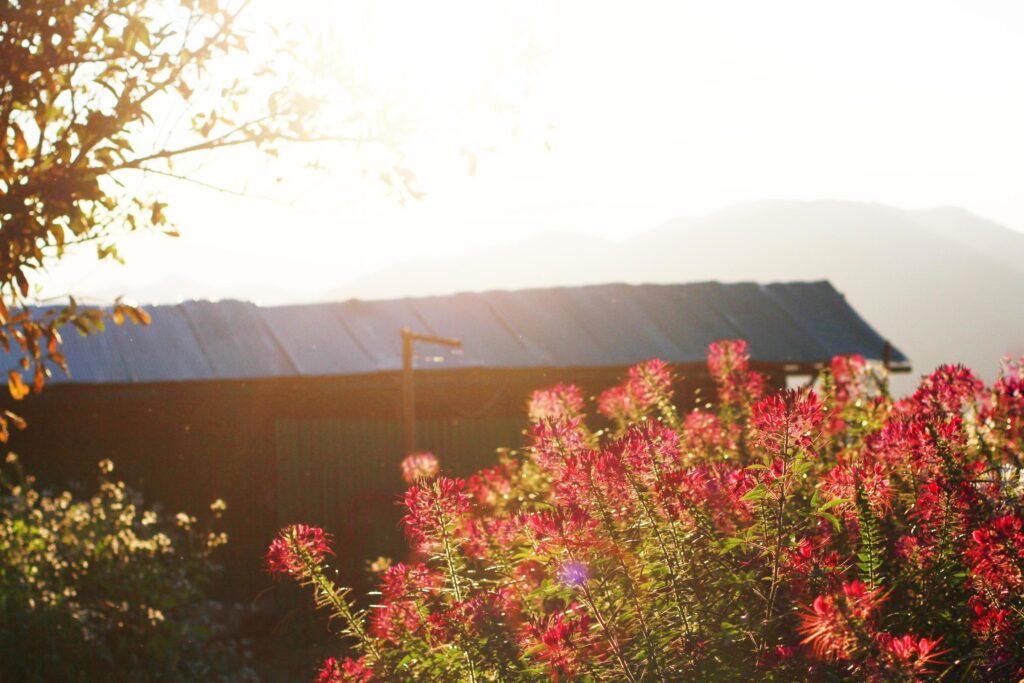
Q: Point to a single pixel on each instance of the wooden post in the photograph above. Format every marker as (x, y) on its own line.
(409, 338)
(408, 396)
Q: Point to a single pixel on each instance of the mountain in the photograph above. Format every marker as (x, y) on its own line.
(175, 288)
(550, 258)
(943, 284)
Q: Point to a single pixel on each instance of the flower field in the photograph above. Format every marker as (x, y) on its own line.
(826, 533)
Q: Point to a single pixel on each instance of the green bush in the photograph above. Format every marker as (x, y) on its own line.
(99, 587)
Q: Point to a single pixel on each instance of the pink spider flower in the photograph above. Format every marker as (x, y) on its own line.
(810, 562)
(832, 623)
(409, 580)
(726, 357)
(650, 382)
(560, 402)
(460, 619)
(347, 670)
(482, 536)
(562, 637)
(947, 391)
(788, 421)
(704, 434)
(714, 492)
(909, 653)
(942, 508)
(729, 366)
(395, 621)
(905, 443)
(563, 528)
(848, 385)
(990, 622)
(1003, 411)
(420, 466)
(777, 656)
(553, 442)
(649, 450)
(913, 553)
(592, 481)
(618, 404)
(872, 479)
(433, 508)
(490, 486)
(995, 556)
(296, 548)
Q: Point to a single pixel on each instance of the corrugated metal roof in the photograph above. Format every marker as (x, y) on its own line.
(594, 326)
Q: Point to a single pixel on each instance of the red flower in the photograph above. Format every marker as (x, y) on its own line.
(562, 639)
(553, 442)
(776, 656)
(990, 622)
(910, 550)
(488, 487)
(649, 450)
(347, 671)
(403, 581)
(832, 624)
(714, 492)
(562, 529)
(844, 480)
(787, 421)
(904, 442)
(942, 508)
(647, 384)
(811, 559)
(417, 466)
(946, 392)
(433, 508)
(296, 548)
(593, 480)
(463, 618)
(560, 402)
(650, 382)
(704, 434)
(995, 557)
(909, 653)
(618, 404)
(729, 366)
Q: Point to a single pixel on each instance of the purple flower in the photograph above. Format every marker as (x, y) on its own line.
(573, 573)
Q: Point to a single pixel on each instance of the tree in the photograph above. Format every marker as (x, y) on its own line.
(83, 84)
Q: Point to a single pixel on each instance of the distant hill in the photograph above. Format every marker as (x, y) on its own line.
(175, 288)
(943, 284)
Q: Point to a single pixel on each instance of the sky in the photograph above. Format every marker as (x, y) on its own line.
(605, 119)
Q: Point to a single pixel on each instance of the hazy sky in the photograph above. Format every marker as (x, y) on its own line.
(658, 110)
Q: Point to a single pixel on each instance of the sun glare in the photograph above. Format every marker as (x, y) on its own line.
(438, 63)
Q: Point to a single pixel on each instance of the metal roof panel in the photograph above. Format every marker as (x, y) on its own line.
(601, 325)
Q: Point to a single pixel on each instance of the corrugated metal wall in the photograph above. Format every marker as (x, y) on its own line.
(343, 475)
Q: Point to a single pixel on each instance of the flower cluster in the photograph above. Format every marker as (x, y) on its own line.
(826, 533)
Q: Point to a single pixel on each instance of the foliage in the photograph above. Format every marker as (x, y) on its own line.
(90, 92)
(828, 534)
(101, 588)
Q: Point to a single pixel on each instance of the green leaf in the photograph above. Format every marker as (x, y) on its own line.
(756, 493)
(832, 518)
(832, 503)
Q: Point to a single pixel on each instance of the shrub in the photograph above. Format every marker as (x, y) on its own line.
(824, 534)
(101, 588)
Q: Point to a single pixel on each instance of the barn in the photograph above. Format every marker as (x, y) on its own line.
(293, 413)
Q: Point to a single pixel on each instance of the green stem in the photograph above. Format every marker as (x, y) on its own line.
(453, 575)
